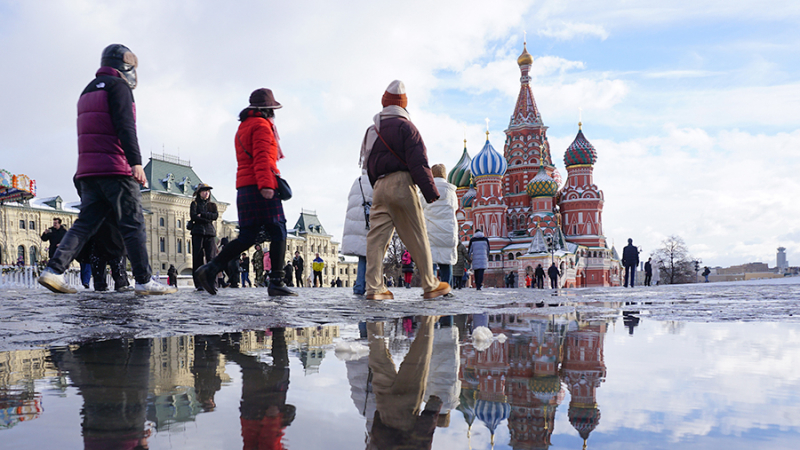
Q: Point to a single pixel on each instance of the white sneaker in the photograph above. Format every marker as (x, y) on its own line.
(154, 288)
(55, 282)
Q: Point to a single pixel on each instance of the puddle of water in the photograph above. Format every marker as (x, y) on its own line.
(534, 381)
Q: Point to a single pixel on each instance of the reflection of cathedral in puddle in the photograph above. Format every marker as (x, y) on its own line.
(522, 379)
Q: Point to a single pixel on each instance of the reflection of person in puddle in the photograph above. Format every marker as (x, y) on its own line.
(207, 380)
(264, 412)
(113, 378)
(399, 393)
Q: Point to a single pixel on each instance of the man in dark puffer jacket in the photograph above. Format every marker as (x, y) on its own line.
(109, 172)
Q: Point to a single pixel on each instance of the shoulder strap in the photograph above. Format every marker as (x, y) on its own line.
(240, 143)
(390, 148)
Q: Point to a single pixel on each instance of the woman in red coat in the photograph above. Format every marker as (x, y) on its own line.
(260, 210)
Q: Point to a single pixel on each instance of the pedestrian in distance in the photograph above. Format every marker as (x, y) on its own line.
(54, 235)
(202, 214)
(109, 173)
(512, 280)
(317, 266)
(407, 264)
(528, 281)
(258, 265)
(706, 273)
(553, 273)
(441, 224)
(539, 274)
(299, 265)
(172, 275)
(356, 226)
(258, 151)
(397, 163)
(648, 272)
(479, 255)
(244, 269)
(266, 261)
(630, 259)
(460, 268)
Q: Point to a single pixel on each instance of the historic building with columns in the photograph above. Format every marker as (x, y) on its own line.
(529, 213)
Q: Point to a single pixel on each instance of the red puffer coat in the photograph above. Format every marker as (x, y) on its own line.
(256, 154)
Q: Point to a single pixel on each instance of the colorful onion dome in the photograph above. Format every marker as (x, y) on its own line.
(542, 185)
(488, 162)
(545, 388)
(584, 418)
(469, 197)
(525, 58)
(492, 414)
(461, 173)
(580, 151)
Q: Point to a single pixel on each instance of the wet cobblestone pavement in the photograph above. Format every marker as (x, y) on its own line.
(33, 318)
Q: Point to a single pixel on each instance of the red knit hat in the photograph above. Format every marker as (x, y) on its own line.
(395, 94)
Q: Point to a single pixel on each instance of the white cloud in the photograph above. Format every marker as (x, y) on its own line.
(571, 30)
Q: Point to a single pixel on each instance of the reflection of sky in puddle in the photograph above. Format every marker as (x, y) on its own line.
(667, 385)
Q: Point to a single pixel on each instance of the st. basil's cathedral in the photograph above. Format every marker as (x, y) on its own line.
(516, 199)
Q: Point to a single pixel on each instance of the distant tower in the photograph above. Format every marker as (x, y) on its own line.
(488, 209)
(583, 370)
(526, 149)
(581, 199)
(782, 263)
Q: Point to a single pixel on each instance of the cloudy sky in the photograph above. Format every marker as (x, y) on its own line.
(693, 106)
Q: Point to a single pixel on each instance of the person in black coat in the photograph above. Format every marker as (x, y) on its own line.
(54, 234)
(539, 273)
(202, 214)
(553, 273)
(648, 272)
(298, 265)
(288, 274)
(172, 275)
(630, 259)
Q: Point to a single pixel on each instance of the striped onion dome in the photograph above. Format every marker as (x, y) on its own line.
(580, 151)
(488, 162)
(545, 388)
(542, 185)
(492, 413)
(461, 173)
(466, 404)
(469, 197)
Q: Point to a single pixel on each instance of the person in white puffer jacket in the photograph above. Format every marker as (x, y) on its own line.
(356, 226)
(440, 220)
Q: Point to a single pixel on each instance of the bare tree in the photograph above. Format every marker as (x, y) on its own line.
(392, 260)
(673, 260)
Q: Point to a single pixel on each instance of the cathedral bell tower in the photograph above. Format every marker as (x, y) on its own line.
(488, 210)
(581, 200)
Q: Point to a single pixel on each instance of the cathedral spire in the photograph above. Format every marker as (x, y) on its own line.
(525, 112)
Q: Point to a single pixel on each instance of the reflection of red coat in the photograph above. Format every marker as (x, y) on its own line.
(255, 136)
(263, 434)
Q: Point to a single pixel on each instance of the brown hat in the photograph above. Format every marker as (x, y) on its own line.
(202, 187)
(263, 98)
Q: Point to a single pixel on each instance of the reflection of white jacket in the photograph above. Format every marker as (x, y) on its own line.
(440, 219)
(354, 241)
(443, 379)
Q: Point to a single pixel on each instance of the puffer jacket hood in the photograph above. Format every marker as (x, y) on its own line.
(440, 220)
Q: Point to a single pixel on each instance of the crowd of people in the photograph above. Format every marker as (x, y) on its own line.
(397, 192)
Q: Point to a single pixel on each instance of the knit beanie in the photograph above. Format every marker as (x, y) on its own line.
(395, 94)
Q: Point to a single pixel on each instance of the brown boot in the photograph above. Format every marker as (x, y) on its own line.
(442, 289)
(385, 295)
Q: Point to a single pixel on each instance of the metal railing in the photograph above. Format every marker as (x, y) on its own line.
(24, 277)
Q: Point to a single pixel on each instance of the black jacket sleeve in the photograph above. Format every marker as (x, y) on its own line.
(123, 115)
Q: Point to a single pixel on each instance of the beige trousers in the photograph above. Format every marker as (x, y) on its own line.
(399, 393)
(395, 205)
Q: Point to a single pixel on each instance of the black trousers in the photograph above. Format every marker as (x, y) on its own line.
(276, 233)
(479, 278)
(317, 275)
(203, 251)
(298, 278)
(101, 196)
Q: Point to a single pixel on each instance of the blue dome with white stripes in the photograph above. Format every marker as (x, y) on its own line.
(492, 413)
(488, 162)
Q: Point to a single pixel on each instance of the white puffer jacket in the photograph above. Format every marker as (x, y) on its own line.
(354, 241)
(440, 219)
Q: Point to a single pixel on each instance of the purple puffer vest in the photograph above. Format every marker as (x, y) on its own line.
(100, 152)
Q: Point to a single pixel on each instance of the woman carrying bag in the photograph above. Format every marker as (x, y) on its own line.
(260, 209)
(202, 214)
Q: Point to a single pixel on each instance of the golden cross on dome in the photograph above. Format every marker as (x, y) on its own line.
(487, 128)
(580, 118)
